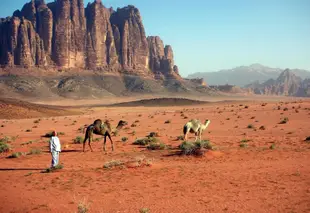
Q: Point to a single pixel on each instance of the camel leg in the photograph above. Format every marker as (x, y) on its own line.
(104, 142)
(196, 136)
(185, 136)
(89, 141)
(111, 142)
(84, 144)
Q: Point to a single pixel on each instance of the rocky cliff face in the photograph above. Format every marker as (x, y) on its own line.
(67, 35)
(161, 58)
(287, 84)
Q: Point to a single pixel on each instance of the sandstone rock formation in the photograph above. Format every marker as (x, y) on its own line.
(287, 84)
(64, 34)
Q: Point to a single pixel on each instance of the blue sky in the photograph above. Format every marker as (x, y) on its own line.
(209, 35)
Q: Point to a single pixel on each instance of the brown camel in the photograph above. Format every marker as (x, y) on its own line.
(100, 128)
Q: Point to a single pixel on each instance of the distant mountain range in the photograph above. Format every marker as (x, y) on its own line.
(245, 75)
(287, 83)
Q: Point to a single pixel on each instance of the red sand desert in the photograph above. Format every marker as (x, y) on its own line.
(271, 174)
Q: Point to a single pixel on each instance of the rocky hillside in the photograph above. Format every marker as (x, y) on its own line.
(287, 84)
(92, 85)
(64, 34)
(243, 75)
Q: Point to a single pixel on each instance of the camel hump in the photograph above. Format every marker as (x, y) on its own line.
(108, 124)
(97, 122)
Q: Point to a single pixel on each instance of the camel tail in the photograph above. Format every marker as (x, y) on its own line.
(84, 129)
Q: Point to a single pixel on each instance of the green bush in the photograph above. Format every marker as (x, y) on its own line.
(156, 146)
(243, 145)
(144, 210)
(196, 148)
(4, 147)
(250, 126)
(113, 163)
(153, 134)
(124, 139)
(78, 139)
(284, 120)
(272, 146)
(35, 151)
(180, 138)
(145, 141)
(16, 155)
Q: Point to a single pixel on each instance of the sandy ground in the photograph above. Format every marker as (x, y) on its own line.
(227, 179)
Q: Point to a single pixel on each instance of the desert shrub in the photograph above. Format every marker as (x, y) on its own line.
(284, 120)
(243, 145)
(58, 167)
(145, 141)
(16, 155)
(246, 107)
(180, 138)
(81, 129)
(124, 139)
(156, 146)
(37, 121)
(307, 139)
(285, 109)
(7, 139)
(167, 121)
(4, 147)
(61, 133)
(35, 151)
(28, 130)
(262, 128)
(136, 121)
(153, 134)
(253, 117)
(250, 126)
(227, 119)
(134, 132)
(189, 148)
(245, 141)
(204, 144)
(78, 139)
(272, 146)
(133, 125)
(113, 163)
(144, 210)
(82, 207)
(2, 125)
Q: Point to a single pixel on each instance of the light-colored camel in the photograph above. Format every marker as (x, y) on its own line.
(195, 126)
(101, 128)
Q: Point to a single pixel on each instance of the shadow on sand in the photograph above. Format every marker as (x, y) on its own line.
(65, 151)
(20, 169)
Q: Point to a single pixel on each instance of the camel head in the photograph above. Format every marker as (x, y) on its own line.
(121, 124)
(207, 122)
